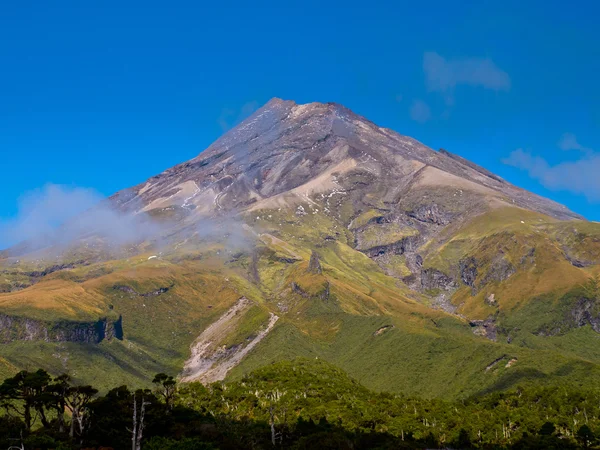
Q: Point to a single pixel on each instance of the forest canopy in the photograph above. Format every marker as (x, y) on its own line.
(300, 404)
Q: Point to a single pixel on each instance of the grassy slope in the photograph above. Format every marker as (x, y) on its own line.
(418, 350)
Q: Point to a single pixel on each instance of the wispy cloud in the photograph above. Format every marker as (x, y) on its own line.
(443, 75)
(568, 141)
(230, 117)
(58, 215)
(420, 111)
(579, 176)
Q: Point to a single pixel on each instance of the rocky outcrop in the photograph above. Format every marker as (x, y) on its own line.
(323, 294)
(430, 214)
(407, 244)
(296, 289)
(30, 277)
(486, 328)
(468, 272)
(500, 269)
(578, 262)
(529, 257)
(131, 291)
(55, 268)
(383, 329)
(314, 265)
(17, 328)
(434, 279)
(584, 312)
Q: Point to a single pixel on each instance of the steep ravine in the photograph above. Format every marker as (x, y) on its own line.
(210, 361)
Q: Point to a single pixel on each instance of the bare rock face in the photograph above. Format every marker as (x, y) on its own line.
(314, 265)
(435, 279)
(486, 328)
(431, 214)
(285, 150)
(500, 269)
(16, 328)
(468, 271)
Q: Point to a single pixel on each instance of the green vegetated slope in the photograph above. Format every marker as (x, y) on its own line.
(297, 404)
(350, 312)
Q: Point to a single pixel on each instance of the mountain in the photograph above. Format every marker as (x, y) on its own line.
(309, 231)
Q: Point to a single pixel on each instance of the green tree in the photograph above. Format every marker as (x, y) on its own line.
(60, 388)
(166, 388)
(77, 400)
(26, 393)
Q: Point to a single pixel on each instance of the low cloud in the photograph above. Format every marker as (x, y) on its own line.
(579, 176)
(443, 75)
(59, 215)
(420, 111)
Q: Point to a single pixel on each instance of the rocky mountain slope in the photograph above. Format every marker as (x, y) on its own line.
(309, 231)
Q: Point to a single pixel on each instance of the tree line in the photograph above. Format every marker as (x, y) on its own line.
(298, 404)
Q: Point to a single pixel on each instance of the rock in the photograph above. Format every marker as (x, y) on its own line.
(434, 279)
(407, 244)
(131, 291)
(529, 257)
(491, 300)
(430, 214)
(500, 270)
(486, 328)
(298, 290)
(586, 311)
(324, 294)
(511, 363)
(468, 271)
(419, 261)
(383, 329)
(16, 328)
(314, 265)
(55, 268)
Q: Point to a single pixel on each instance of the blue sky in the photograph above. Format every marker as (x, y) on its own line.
(103, 95)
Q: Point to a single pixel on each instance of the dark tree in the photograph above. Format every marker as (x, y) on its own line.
(463, 440)
(26, 393)
(60, 388)
(166, 388)
(547, 429)
(77, 400)
(585, 436)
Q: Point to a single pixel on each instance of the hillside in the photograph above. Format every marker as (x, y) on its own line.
(308, 231)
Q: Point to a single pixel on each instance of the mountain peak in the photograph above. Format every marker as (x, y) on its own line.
(298, 150)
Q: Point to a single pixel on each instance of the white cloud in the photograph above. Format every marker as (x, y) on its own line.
(58, 215)
(568, 141)
(579, 176)
(443, 75)
(420, 111)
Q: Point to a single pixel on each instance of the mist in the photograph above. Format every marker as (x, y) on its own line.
(59, 215)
